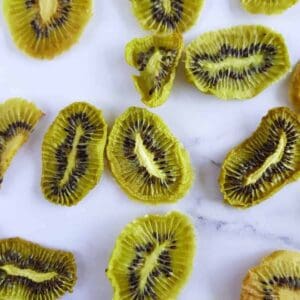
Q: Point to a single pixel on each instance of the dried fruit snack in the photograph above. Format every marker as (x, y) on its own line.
(166, 16)
(276, 277)
(152, 258)
(147, 161)
(268, 7)
(265, 162)
(238, 62)
(29, 271)
(46, 28)
(18, 118)
(157, 58)
(73, 153)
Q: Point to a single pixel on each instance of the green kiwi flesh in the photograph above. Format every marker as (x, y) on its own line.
(238, 62)
(153, 258)
(29, 271)
(73, 154)
(265, 162)
(147, 161)
(268, 7)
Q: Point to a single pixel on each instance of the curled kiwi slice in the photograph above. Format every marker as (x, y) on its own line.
(18, 118)
(46, 28)
(268, 7)
(254, 170)
(29, 271)
(165, 16)
(295, 88)
(152, 258)
(73, 153)
(276, 277)
(148, 162)
(236, 63)
(156, 57)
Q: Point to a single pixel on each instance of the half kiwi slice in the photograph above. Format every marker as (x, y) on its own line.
(148, 162)
(268, 7)
(277, 277)
(73, 153)
(294, 88)
(157, 58)
(166, 16)
(18, 118)
(261, 165)
(152, 258)
(29, 271)
(238, 62)
(46, 28)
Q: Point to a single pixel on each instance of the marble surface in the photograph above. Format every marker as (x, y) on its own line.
(229, 240)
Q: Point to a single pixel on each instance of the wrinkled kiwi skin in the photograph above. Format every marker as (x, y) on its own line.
(113, 272)
(137, 48)
(61, 262)
(279, 270)
(236, 42)
(115, 165)
(268, 7)
(237, 152)
(93, 148)
(188, 15)
(45, 39)
(294, 88)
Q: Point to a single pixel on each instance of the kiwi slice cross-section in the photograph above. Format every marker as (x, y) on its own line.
(29, 271)
(276, 277)
(166, 16)
(261, 165)
(147, 161)
(294, 88)
(18, 118)
(157, 58)
(152, 258)
(73, 153)
(268, 7)
(46, 28)
(238, 62)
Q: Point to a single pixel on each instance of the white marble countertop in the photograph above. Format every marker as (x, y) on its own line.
(229, 240)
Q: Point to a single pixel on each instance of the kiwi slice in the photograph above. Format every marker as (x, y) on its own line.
(295, 88)
(18, 117)
(277, 277)
(165, 16)
(46, 28)
(29, 271)
(73, 153)
(148, 162)
(238, 62)
(157, 58)
(261, 165)
(152, 258)
(268, 7)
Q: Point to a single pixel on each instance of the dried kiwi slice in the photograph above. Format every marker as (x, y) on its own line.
(18, 118)
(156, 57)
(295, 88)
(236, 63)
(165, 16)
(148, 162)
(46, 28)
(73, 153)
(268, 7)
(29, 271)
(254, 170)
(152, 258)
(277, 277)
